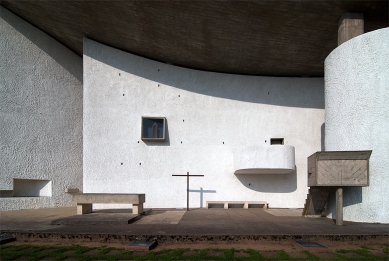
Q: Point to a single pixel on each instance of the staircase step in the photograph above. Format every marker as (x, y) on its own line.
(316, 200)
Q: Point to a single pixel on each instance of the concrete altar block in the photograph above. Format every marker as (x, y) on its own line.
(84, 201)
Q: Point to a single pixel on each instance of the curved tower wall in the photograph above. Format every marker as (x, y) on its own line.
(40, 117)
(357, 118)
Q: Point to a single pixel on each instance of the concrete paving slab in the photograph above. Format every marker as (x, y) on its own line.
(162, 217)
(179, 225)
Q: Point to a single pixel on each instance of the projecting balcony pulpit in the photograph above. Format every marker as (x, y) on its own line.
(266, 159)
(334, 169)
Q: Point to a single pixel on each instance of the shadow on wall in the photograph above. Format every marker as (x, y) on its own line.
(270, 183)
(288, 91)
(201, 191)
(60, 53)
(323, 136)
(351, 196)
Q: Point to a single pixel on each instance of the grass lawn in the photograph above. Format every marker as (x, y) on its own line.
(82, 253)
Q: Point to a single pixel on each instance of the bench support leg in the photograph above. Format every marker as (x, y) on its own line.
(84, 209)
(137, 208)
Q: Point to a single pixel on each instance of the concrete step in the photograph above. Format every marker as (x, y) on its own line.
(316, 200)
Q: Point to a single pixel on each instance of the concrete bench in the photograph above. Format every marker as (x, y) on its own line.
(84, 201)
(237, 204)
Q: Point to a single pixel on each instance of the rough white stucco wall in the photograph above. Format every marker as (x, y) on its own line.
(357, 118)
(208, 116)
(40, 117)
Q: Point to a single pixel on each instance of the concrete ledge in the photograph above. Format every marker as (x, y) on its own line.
(72, 190)
(107, 198)
(237, 204)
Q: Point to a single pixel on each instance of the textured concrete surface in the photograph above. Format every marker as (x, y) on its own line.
(40, 117)
(357, 109)
(286, 38)
(208, 116)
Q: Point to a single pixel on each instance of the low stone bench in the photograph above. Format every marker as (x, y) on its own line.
(237, 204)
(84, 201)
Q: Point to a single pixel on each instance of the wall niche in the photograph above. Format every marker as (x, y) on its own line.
(28, 188)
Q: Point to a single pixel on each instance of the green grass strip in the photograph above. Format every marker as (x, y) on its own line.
(82, 253)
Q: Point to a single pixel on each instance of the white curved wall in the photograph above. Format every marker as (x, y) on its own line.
(267, 159)
(40, 117)
(357, 118)
(208, 116)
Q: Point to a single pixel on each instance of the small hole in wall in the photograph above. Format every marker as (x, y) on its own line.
(265, 141)
(121, 163)
(249, 184)
(183, 120)
(123, 94)
(119, 74)
(138, 141)
(158, 85)
(140, 163)
(277, 141)
(223, 142)
(181, 142)
(178, 95)
(158, 70)
(268, 93)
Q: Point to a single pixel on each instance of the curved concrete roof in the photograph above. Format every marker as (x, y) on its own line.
(280, 38)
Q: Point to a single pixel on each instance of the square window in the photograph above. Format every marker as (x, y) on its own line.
(153, 128)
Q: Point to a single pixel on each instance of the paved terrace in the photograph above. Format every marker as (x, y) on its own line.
(180, 225)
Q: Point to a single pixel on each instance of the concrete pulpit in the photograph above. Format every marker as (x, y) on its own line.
(334, 169)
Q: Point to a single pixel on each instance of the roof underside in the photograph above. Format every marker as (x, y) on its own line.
(278, 38)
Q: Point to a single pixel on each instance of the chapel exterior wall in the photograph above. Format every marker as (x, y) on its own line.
(209, 115)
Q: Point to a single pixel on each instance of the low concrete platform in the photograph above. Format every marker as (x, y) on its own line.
(185, 226)
(102, 217)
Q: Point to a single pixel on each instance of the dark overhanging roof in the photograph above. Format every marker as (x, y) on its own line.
(277, 38)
